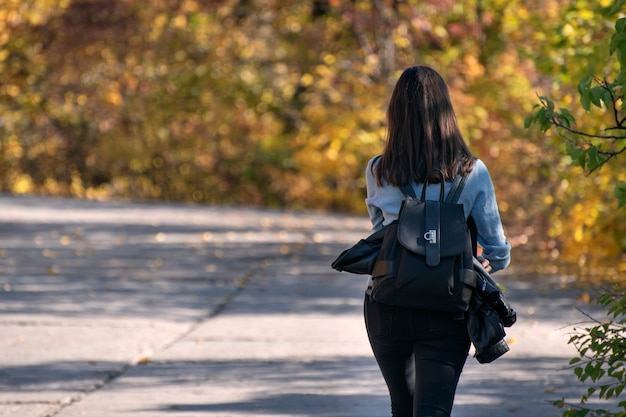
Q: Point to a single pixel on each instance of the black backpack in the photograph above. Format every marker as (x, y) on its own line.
(426, 257)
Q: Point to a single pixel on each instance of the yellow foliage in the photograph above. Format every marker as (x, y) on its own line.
(23, 184)
(306, 80)
(76, 185)
(265, 103)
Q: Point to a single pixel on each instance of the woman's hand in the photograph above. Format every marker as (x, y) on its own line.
(484, 262)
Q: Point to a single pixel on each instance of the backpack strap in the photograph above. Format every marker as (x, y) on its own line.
(408, 191)
(457, 188)
(474, 232)
(453, 194)
(453, 197)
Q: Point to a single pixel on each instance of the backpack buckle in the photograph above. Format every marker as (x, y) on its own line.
(431, 236)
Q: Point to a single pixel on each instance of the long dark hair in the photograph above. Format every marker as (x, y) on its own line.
(422, 131)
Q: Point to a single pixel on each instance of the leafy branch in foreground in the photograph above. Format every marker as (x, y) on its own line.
(593, 150)
(588, 150)
(601, 359)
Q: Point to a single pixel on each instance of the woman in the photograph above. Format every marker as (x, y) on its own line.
(421, 353)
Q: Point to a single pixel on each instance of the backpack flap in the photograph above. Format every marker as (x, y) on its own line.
(416, 222)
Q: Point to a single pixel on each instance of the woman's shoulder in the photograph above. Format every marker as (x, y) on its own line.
(373, 160)
(480, 169)
(479, 177)
(371, 163)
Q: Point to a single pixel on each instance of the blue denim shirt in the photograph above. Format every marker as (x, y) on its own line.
(478, 199)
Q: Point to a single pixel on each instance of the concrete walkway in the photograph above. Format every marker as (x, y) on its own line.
(121, 309)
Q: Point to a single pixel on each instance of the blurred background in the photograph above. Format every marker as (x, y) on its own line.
(282, 103)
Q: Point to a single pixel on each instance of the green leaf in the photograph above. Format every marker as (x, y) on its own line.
(582, 159)
(578, 371)
(529, 120)
(574, 360)
(592, 154)
(616, 41)
(583, 89)
(585, 83)
(544, 116)
(567, 117)
(596, 96)
(621, 53)
(614, 8)
(594, 372)
(579, 157)
(620, 25)
(585, 100)
(607, 98)
(609, 393)
(574, 152)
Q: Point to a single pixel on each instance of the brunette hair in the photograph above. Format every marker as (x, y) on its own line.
(422, 132)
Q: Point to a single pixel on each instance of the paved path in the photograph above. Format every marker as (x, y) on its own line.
(120, 309)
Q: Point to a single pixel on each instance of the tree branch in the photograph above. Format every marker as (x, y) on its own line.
(605, 85)
(556, 121)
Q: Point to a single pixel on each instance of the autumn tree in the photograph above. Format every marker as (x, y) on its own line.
(587, 123)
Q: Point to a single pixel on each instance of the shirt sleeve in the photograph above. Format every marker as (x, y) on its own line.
(488, 223)
(375, 213)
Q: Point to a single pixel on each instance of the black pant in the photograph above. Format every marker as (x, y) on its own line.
(420, 353)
